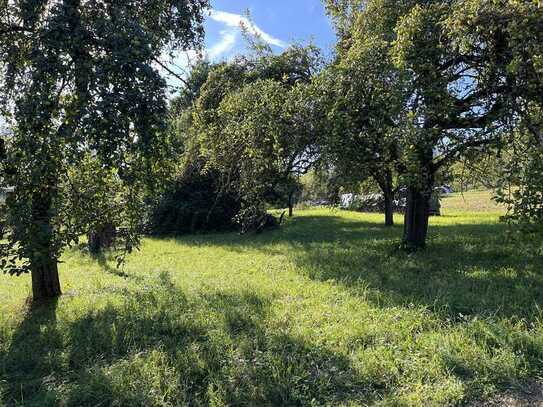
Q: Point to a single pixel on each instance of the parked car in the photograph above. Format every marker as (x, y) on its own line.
(370, 202)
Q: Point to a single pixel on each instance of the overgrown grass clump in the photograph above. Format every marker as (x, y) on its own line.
(324, 311)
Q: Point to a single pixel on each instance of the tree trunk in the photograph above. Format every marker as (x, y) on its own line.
(416, 219)
(418, 201)
(291, 204)
(102, 238)
(43, 264)
(389, 198)
(385, 182)
(389, 208)
(45, 281)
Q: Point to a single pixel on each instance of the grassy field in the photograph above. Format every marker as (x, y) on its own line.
(324, 311)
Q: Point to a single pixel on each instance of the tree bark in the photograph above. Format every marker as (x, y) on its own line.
(385, 183)
(45, 281)
(389, 199)
(291, 204)
(416, 219)
(418, 201)
(43, 264)
(389, 208)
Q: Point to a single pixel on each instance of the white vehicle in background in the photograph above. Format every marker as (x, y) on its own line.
(4, 194)
(346, 200)
(445, 189)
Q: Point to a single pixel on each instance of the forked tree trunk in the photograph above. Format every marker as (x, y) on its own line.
(416, 219)
(43, 264)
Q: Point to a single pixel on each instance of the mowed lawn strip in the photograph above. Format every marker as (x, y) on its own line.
(324, 311)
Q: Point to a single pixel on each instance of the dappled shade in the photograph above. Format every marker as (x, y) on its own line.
(325, 310)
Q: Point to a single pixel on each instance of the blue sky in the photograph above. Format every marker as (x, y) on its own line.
(278, 22)
(282, 22)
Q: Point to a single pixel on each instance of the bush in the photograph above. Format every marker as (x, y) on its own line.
(194, 204)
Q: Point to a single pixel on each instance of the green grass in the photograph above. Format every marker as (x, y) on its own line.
(473, 201)
(324, 311)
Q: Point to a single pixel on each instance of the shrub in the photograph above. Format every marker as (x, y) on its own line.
(195, 203)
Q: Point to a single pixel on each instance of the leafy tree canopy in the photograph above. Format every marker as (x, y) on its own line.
(78, 79)
(460, 75)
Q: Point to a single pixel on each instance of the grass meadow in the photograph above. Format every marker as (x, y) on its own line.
(323, 311)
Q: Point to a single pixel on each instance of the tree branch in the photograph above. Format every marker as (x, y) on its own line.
(460, 148)
(167, 69)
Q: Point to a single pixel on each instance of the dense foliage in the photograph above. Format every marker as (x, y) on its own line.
(274, 144)
(520, 186)
(461, 75)
(248, 132)
(195, 203)
(79, 79)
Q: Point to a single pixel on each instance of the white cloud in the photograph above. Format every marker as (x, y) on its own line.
(226, 44)
(237, 20)
(181, 62)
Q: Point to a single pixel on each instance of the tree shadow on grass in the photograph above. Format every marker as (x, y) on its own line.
(467, 269)
(475, 280)
(104, 259)
(159, 347)
(33, 354)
